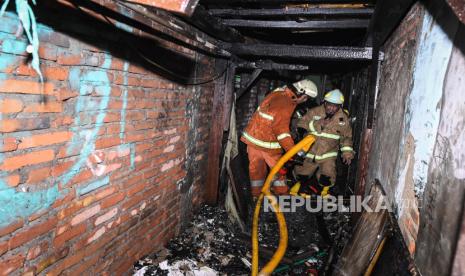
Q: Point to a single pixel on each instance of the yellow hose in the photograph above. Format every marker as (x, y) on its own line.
(278, 255)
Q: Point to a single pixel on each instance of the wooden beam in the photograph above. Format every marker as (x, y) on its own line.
(228, 95)
(302, 52)
(282, 12)
(214, 26)
(311, 24)
(216, 136)
(145, 23)
(252, 80)
(166, 20)
(185, 7)
(270, 65)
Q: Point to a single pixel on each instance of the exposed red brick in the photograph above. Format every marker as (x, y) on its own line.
(26, 87)
(15, 162)
(47, 107)
(60, 168)
(38, 175)
(45, 139)
(50, 260)
(37, 250)
(10, 265)
(12, 125)
(13, 180)
(9, 144)
(69, 234)
(10, 105)
(11, 228)
(3, 247)
(113, 200)
(107, 142)
(32, 232)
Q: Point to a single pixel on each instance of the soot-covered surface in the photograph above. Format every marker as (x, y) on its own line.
(212, 245)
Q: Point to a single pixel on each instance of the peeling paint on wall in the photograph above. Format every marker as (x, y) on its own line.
(424, 102)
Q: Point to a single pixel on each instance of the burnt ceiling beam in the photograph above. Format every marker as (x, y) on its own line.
(313, 24)
(163, 22)
(214, 26)
(302, 52)
(270, 65)
(249, 84)
(227, 13)
(185, 7)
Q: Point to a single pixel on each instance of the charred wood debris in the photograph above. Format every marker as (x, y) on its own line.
(213, 245)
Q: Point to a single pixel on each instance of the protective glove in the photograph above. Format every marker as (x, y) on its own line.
(299, 157)
(301, 133)
(347, 157)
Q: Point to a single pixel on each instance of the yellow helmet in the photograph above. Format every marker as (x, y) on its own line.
(307, 87)
(334, 96)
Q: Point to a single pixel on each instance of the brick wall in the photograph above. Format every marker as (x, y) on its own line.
(92, 162)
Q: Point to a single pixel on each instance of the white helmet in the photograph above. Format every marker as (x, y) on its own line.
(306, 86)
(334, 96)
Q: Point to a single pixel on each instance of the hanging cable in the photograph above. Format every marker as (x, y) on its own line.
(196, 81)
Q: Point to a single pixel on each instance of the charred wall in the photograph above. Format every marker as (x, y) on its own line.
(415, 142)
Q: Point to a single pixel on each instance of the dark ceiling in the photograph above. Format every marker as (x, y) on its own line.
(330, 22)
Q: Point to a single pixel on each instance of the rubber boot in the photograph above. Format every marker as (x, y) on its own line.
(281, 190)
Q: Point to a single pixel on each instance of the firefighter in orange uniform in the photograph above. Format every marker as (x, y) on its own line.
(331, 126)
(267, 133)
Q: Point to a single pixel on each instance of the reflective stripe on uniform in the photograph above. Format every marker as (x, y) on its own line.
(347, 148)
(283, 135)
(322, 134)
(256, 183)
(323, 156)
(264, 115)
(260, 143)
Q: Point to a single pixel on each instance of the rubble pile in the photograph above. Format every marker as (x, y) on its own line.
(207, 247)
(212, 245)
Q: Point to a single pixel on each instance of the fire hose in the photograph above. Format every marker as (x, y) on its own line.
(283, 237)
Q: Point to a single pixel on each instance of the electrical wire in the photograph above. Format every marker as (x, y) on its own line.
(195, 81)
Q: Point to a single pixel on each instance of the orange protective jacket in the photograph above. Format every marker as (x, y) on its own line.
(268, 130)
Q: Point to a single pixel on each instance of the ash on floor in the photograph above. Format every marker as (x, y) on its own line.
(212, 245)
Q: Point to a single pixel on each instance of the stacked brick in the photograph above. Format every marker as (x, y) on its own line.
(92, 160)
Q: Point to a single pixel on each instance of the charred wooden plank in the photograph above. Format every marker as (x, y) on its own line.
(302, 52)
(214, 26)
(311, 24)
(185, 7)
(228, 13)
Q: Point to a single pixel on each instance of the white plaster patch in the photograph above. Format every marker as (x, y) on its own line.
(433, 55)
(169, 131)
(168, 165)
(401, 186)
(174, 139)
(110, 214)
(85, 215)
(169, 149)
(96, 235)
(453, 116)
